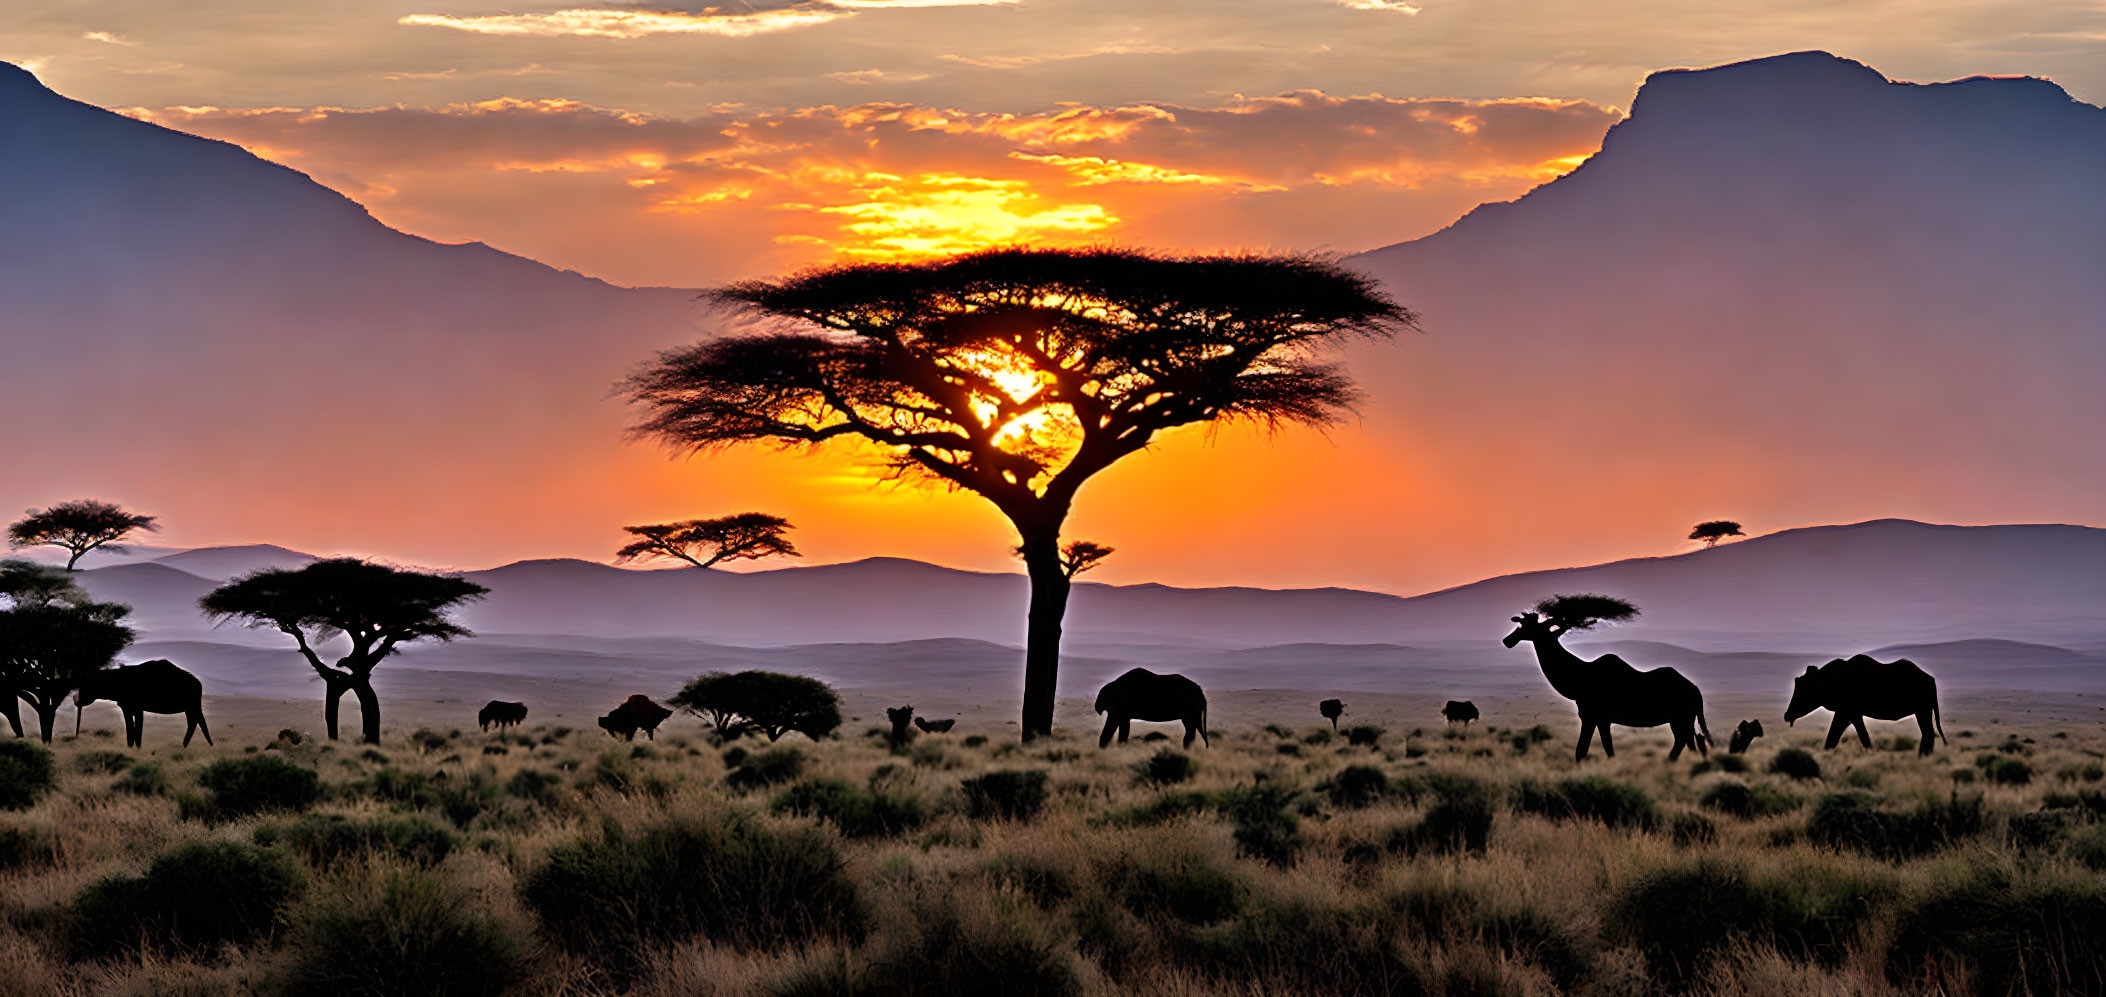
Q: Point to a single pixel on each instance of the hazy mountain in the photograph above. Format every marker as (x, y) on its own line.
(285, 343)
(1789, 283)
(222, 563)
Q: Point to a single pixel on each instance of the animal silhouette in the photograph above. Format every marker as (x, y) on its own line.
(900, 716)
(936, 726)
(1744, 735)
(1608, 690)
(1143, 695)
(1862, 687)
(637, 713)
(156, 686)
(1460, 711)
(1331, 709)
(501, 713)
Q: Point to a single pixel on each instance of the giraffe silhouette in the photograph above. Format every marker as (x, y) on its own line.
(1608, 690)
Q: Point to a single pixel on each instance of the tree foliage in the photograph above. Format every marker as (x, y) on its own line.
(1583, 611)
(377, 607)
(708, 542)
(52, 635)
(1078, 556)
(1714, 531)
(78, 526)
(769, 702)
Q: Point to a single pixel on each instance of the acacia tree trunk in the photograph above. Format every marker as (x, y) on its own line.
(47, 714)
(333, 690)
(1049, 604)
(368, 707)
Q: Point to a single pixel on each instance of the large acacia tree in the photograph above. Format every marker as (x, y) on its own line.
(78, 526)
(1017, 375)
(706, 543)
(52, 634)
(376, 607)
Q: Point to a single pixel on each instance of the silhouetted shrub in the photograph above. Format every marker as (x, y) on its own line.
(772, 767)
(858, 813)
(1162, 809)
(1854, 821)
(1692, 829)
(1319, 736)
(1363, 736)
(542, 788)
(947, 952)
(1265, 828)
(2008, 771)
(2088, 846)
(459, 798)
(1796, 763)
(1460, 819)
(974, 740)
(1593, 798)
(242, 786)
(1167, 767)
(399, 932)
(769, 702)
(2034, 934)
(21, 847)
(192, 898)
(1742, 800)
(142, 779)
(1016, 794)
(727, 878)
(26, 772)
(2037, 831)
(1357, 786)
(1178, 884)
(427, 740)
(101, 762)
(325, 840)
(1681, 916)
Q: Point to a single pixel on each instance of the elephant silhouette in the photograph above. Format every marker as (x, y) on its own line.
(501, 713)
(1144, 695)
(156, 686)
(1862, 687)
(1460, 711)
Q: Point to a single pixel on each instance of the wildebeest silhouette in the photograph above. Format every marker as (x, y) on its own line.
(1331, 709)
(501, 713)
(900, 716)
(156, 686)
(1143, 695)
(1608, 690)
(1862, 687)
(1744, 735)
(637, 713)
(936, 726)
(1460, 711)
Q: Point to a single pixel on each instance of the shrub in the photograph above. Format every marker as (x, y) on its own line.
(857, 813)
(2088, 846)
(1853, 821)
(1363, 736)
(1796, 763)
(327, 840)
(399, 931)
(1692, 829)
(1459, 820)
(1161, 881)
(1006, 795)
(2033, 934)
(949, 951)
(1167, 767)
(769, 702)
(1680, 916)
(460, 799)
(142, 779)
(2008, 771)
(242, 786)
(26, 772)
(427, 740)
(101, 762)
(542, 788)
(20, 847)
(1265, 829)
(192, 898)
(1739, 799)
(725, 877)
(1593, 798)
(772, 767)
(1357, 786)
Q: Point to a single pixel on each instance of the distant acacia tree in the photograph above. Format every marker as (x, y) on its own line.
(1078, 556)
(52, 634)
(1714, 531)
(78, 526)
(378, 608)
(708, 542)
(769, 702)
(1017, 375)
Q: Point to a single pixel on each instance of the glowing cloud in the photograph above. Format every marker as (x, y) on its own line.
(1393, 6)
(633, 24)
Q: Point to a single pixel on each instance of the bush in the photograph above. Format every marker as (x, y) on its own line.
(772, 767)
(1363, 736)
(399, 931)
(142, 779)
(1167, 767)
(1357, 786)
(1265, 829)
(101, 762)
(1739, 799)
(1459, 820)
(26, 772)
(326, 840)
(20, 847)
(857, 813)
(2008, 771)
(726, 877)
(192, 898)
(2034, 934)
(1593, 798)
(1853, 821)
(243, 786)
(1689, 829)
(460, 799)
(1162, 881)
(1681, 916)
(950, 952)
(769, 702)
(1796, 763)
(1008, 795)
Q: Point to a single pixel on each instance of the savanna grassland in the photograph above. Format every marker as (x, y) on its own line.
(550, 860)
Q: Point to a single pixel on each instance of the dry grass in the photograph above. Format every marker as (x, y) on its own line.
(1265, 867)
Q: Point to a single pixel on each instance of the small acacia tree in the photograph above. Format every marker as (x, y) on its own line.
(769, 702)
(1714, 531)
(78, 526)
(52, 634)
(1581, 612)
(1017, 375)
(706, 543)
(376, 607)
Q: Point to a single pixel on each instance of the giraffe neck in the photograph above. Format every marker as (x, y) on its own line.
(1563, 668)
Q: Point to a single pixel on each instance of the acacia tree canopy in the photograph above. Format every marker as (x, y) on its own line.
(52, 634)
(770, 702)
(78, 526)
(378, 608)
(1017, 374)
(1714, 531)
(1583, 611)
(707, 542)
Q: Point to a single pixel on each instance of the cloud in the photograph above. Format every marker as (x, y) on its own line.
(1019, 61)
(1394, 6)
(111, 38)
(631, 22)
(867, 76)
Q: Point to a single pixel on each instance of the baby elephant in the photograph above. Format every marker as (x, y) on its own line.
(1744, 735)
(936, 726)
(1460, 711)
(1143, 695)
